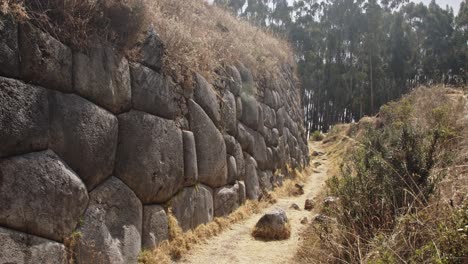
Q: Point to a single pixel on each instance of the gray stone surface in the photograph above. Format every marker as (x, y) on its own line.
(206, 97)
(265, 180)
(193, 206)
(154, 93)
(252, 185)
(259, 150)
(84, 136)
(150, 156)
(44, 60)
(211, 149)
(9, 52)
(24, 118)
(152, 51)
(232, 169)
(111, 230)
(103, 77)
(226, 200)
(190, 159)
(242, 195)
(261, 123)
(230, 142)
(249, 111)
(273, 225)
(240, 164)
(155, 226)
(270, 99)
(21, 248)
(245, 138)
(235, 81)
(40, 195)
(228, 113)
(238, 108)
(280, 120)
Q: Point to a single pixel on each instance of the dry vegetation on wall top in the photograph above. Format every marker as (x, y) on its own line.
(198, 37)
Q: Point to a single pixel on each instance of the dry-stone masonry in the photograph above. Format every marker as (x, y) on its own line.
(99, 150)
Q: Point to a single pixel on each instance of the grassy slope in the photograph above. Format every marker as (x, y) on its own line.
(425, 222)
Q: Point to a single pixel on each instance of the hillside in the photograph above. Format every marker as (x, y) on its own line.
(402, 187)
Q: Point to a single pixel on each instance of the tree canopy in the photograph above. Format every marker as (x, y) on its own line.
(355, 55)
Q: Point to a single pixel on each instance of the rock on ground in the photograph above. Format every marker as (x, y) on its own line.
(111, 230)
(193, 206)
(273, 226)
(41, 195)
(22, 248)
(24, 118)
(150, 156)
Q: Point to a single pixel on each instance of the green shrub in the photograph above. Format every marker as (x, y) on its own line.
(317, 136)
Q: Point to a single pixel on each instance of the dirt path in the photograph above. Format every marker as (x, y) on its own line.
(236, 245)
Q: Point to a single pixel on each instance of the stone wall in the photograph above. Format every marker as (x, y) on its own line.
(95, 145)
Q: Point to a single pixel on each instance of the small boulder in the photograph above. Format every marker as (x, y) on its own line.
(295, 207)
(309, 205)
(304, 221)
(299, 189)
(273, 226)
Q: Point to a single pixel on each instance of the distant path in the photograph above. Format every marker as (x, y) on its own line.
(236, 245)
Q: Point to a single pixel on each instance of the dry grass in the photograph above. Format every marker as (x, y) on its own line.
(203, 38)
(434, 231)
(198, 37)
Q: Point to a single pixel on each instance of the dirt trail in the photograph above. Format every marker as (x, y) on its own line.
(236, 245)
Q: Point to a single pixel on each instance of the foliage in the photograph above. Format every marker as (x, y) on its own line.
(387, 210)
(317, 136)
(354, 56)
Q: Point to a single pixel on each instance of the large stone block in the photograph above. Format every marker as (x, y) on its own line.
(111, 230)
(84, 136)
(270, 99)
(40, 195)
(21, 248)
(245, 138)
(249, 111)
(226, 200)
(193, 206)
(155, 93)
(265, 179)
(235, 81)
(252, 185)
(228, 111)
(152, 51)
(190, 159)
(211, 149)
(150, 156)
(45, 60)
(9, 52)
(206, 97)
(103, 77)
(259, 149)
(155, 226)
(24, 118)
(232, 169)
(240, 164)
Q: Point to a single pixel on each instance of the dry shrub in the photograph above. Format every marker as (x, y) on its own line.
(202, 38)
(79, 23)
